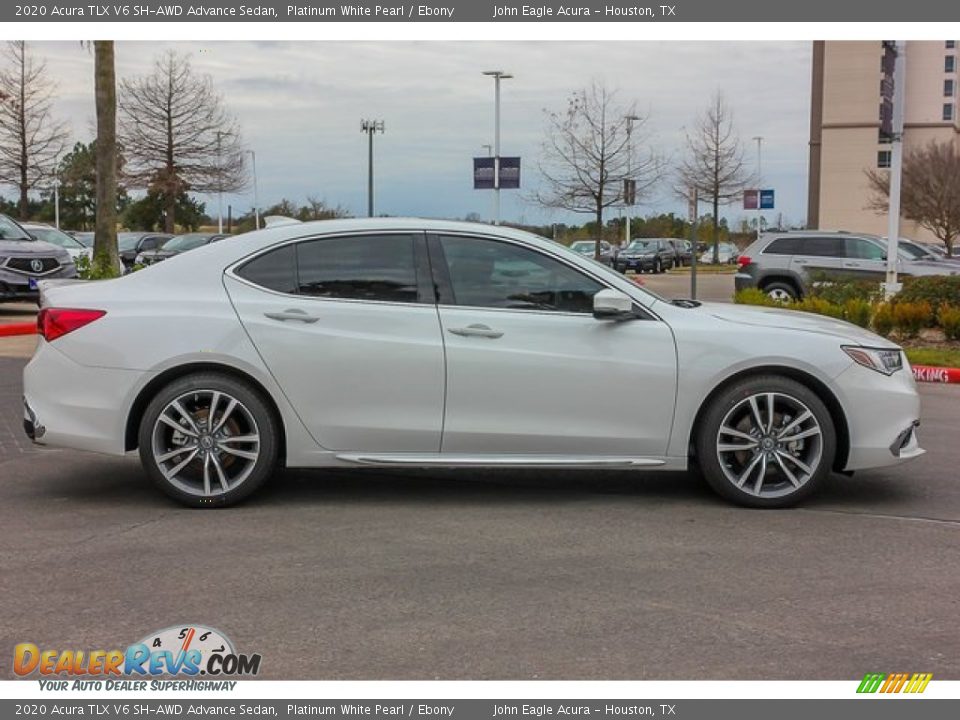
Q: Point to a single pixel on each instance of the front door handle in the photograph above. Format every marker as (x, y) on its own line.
(476, 330)
(851, 264)
(292, 314)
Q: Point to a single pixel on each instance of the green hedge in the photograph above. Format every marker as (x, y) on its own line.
(937, 290)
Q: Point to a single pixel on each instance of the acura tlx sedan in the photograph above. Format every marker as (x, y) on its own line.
(423, 343)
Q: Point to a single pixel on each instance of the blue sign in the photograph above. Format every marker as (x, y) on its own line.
(766, 199)
(509, 173)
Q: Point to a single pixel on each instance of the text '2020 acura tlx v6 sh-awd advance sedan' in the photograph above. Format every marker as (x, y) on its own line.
(424, 343)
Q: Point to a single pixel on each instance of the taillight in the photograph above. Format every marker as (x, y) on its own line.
(743, 261)
(55, 322)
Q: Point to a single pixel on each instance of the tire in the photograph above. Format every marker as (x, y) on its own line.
(781, 291)
(226, 434)
(769, 471)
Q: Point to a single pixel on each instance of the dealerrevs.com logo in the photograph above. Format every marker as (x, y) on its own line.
(178, 651)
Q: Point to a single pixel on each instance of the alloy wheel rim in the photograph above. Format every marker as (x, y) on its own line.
(769, 445)
(779, 295)
(206, 442)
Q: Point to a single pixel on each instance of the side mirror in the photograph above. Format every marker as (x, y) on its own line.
(613, 305)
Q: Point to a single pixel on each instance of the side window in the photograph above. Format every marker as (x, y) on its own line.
(820, 246)
(361, 267)
(149, 243)
(275, 270)
(863, 249)
(783, 246)
(488, 273)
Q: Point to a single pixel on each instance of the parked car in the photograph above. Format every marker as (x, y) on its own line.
(52, 235)
(132, 244)
(82, 237)
(653, 254)
(393, 342)
(177, 245)
(24, 261)
(784, 264)
(587, 248)
(682, 250)
(727, 253)
(910, 250)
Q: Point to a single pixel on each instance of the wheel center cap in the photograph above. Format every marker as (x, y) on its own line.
(767, 443)
(206, 442)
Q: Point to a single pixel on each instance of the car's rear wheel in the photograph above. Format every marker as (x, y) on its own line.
(766, 441)
(781, 291)
(208, 440)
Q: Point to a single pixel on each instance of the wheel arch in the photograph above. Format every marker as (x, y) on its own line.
(814, 384)
(146, 394)
(787, 279)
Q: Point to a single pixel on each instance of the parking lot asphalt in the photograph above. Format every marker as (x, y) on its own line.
(492, 575)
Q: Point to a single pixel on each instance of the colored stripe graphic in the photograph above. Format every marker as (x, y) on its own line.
(894, 683)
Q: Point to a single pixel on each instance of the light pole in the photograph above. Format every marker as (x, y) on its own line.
(892, 286)
(626, 205)
(759, 139)
(219, 185)
(370, 127)
(497, 76)
(256, 195)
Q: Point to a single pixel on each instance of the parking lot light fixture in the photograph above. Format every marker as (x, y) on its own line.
(370, 127)
(256, 198)
(497, 76)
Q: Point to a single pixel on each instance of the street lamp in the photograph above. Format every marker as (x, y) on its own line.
(759, 139)
(256, 198)
(219, 185)
(497, 76)
(370, 127)
(631, 119)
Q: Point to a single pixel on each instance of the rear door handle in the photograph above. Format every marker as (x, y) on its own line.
(851, 264)
(476, 330)
(292, 314)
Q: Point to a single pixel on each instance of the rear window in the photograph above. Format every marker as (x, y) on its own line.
(275, 270)
(820, 246)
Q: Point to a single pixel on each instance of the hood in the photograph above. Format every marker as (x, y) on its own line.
(32, 248)
(783, 319)
(930, 267)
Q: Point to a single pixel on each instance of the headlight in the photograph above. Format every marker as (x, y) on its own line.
(882, 360)
(138, 260)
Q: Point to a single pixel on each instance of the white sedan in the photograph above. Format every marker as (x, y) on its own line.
(419, 343)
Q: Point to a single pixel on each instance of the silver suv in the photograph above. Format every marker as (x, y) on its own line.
(784, 264)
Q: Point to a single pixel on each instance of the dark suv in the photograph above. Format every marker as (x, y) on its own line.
(654, 254)
(784, 264)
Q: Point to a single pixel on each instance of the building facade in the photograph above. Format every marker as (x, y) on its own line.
(845, 126)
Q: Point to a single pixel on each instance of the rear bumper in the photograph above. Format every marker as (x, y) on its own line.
(742, 281)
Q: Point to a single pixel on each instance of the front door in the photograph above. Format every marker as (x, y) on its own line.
(529, 369)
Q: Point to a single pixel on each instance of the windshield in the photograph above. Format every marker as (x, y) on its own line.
(128, 241)
(186, 242)
(583, 246)
(55, 237)
(9, 230)
(642, 246)
(915, 252)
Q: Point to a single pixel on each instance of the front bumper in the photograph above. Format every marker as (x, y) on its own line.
(16, 285)
(624, 264)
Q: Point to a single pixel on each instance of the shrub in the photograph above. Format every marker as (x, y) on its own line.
(97, 269)
(936, 290)
(754, 296)
(909, 317)
(949, 316)
(819, 306)
(839, 290)
(883, 319)
(857, 311)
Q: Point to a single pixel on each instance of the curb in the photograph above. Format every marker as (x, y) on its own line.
(18, 329)
(927, 373)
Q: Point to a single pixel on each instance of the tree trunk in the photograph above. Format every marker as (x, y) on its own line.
(105, 251)
(596, 244)
(716, 228)
(169, 212)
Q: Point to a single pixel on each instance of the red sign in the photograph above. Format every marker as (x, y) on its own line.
(751, 199)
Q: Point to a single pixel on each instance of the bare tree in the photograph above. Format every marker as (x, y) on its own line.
(177, 135)
(590, 149)
(930, 190)
(106, 258)
(714, 164)
(30, 138)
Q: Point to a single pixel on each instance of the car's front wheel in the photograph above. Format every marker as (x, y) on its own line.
(208, 440)
(766, 441)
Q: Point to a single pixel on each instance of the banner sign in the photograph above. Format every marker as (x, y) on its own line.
(751, 199)
(484, 170)
(766, 199)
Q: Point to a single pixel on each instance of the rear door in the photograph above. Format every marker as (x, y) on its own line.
(348, 327)
(819, 257)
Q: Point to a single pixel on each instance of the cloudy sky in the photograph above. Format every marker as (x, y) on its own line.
(300, 104)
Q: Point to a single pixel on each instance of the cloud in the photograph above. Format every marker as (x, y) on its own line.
(300, 106)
